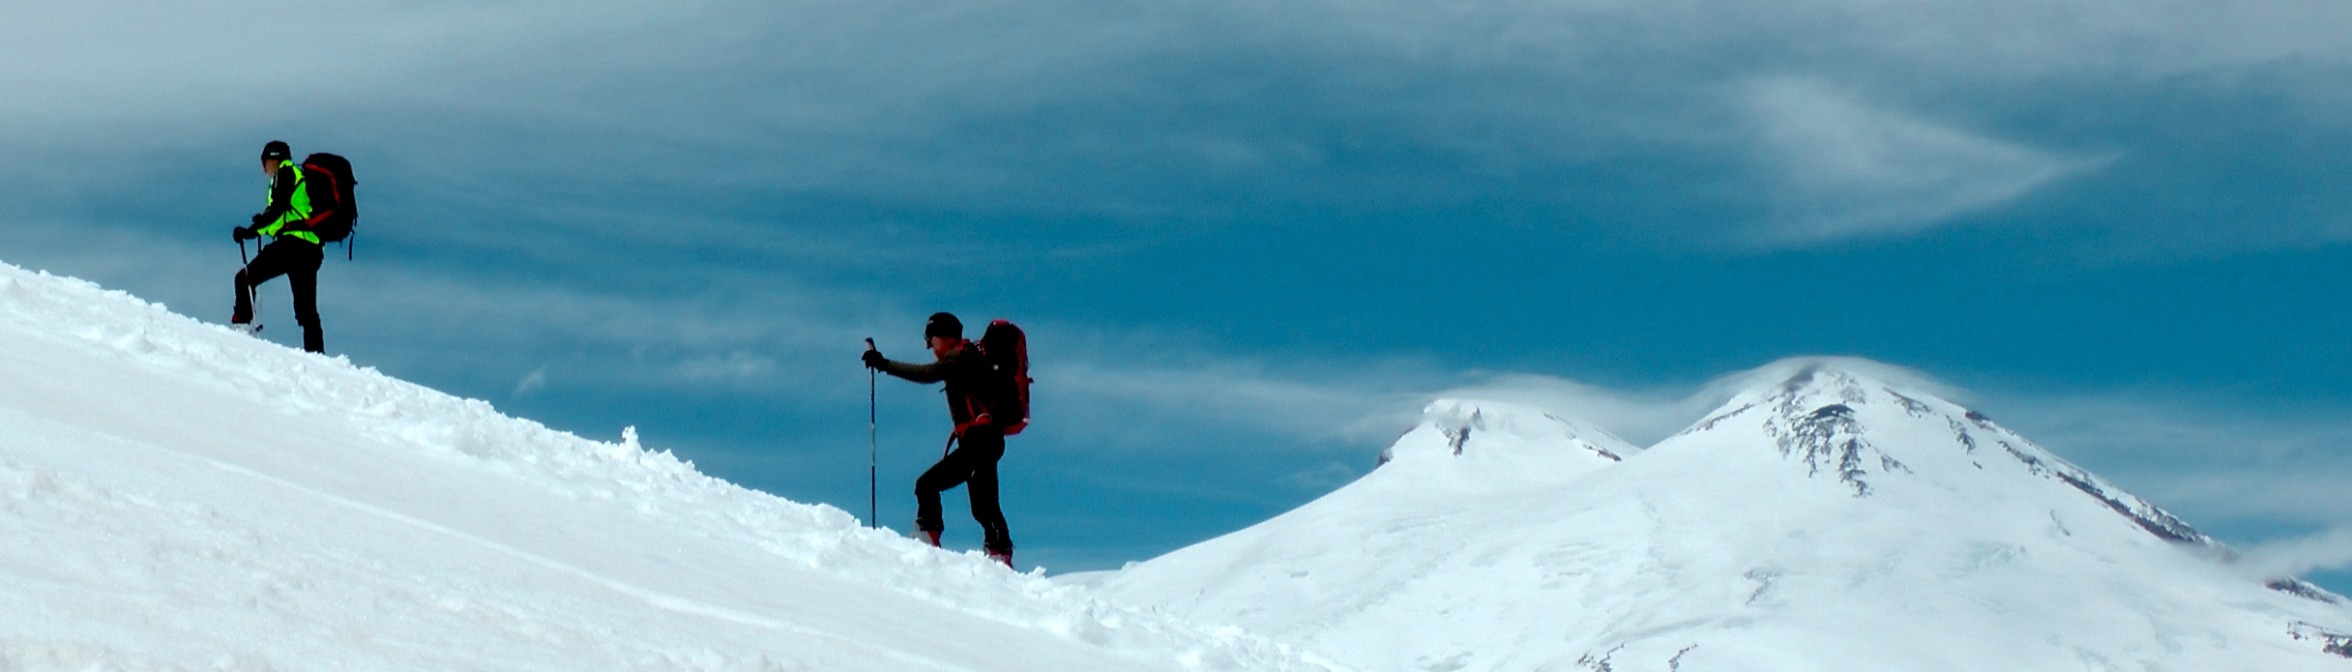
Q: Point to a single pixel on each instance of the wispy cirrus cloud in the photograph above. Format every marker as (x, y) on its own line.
(2331, 550)
(1846, 169)
(1123, 400)
(2212, 459)
(1160, 112)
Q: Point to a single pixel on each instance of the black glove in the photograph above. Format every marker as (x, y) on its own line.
(243, 233)
(873, 359)
(259, 220)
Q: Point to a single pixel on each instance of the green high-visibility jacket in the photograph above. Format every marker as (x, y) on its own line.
(288, 214)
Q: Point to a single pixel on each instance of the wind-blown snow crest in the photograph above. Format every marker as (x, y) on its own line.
(178, 496)
(1821, 519)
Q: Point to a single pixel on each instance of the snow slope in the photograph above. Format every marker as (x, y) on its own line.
(176, 496)
(1826, 520)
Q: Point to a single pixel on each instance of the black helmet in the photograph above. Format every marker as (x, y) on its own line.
(276, 151)
(943, 325)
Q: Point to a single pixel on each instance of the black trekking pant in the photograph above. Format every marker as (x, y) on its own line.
(299, 261)
(972, 462)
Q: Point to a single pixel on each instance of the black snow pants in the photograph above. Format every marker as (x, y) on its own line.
(972, 462)
(299, 261)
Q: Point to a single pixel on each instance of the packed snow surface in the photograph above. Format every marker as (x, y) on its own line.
(176, 496)
(1825, 520)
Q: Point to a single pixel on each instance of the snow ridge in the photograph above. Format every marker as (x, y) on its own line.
(172, 490)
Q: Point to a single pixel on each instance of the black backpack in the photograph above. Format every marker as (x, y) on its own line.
(332, 194)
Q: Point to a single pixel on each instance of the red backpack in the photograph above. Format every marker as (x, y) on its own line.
(1006, 350)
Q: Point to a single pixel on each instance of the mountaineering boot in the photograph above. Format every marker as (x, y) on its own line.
(246, 328)
(927, 536)
(1005, 557)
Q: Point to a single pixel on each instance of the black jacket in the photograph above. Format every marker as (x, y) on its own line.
(964, 371)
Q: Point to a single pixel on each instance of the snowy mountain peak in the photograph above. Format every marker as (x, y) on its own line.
(1834, 514)
(1826, 377)
(1814, 417)
(1838, 423)
(1504, 440)
(1803, 387)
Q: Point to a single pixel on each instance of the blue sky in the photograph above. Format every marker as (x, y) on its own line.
(1250, 239)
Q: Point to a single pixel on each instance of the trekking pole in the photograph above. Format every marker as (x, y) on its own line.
(252, 298)
(873, 477)
(873, 473)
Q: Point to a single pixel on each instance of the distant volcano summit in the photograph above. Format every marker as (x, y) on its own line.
(1821, 519)
(1815, 419)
